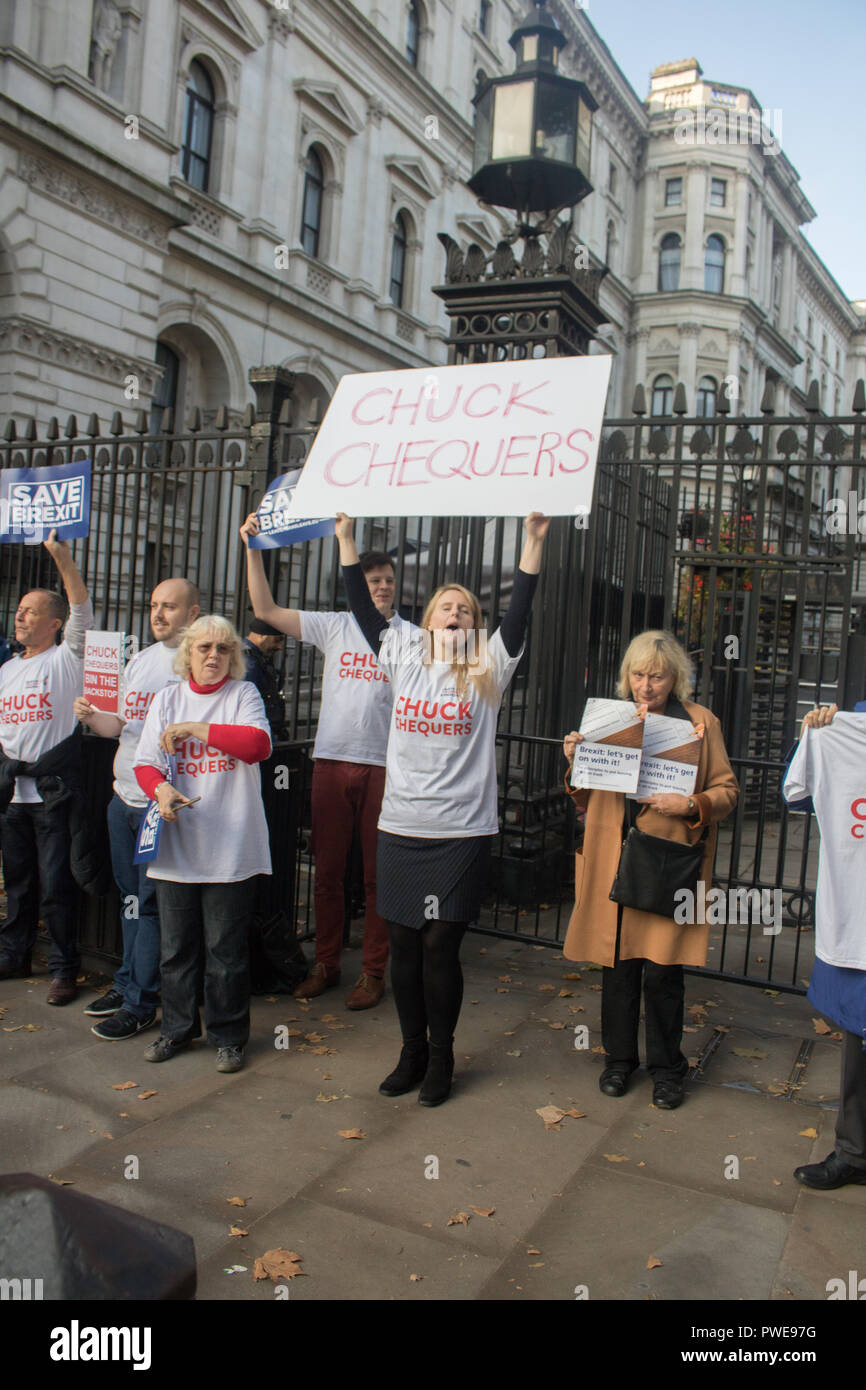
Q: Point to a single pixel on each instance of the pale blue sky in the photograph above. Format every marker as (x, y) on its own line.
(805, 58)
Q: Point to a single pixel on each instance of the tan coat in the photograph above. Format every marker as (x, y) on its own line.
(592, 929)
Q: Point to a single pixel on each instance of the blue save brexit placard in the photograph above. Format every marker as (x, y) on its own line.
(277, 524)
(36, 501)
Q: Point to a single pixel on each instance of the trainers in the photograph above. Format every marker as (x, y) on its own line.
(367, 993)
(123, 1024)
(163, 1049)
(230, 1058)
(106, 1004)
(319, 979)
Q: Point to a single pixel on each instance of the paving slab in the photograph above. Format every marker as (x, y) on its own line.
(585, 1247)
(345, 1257)
(827, 1240)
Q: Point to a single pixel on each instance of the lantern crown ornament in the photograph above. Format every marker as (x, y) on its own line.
(533, 128)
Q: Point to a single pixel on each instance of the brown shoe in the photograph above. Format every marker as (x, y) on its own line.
(62, 992)
(319, 979)
(367, 993)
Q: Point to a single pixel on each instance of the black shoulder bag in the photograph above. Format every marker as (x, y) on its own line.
(652, 870)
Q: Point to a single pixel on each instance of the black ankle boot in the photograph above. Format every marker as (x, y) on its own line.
(437, 1080)
(410, 1069)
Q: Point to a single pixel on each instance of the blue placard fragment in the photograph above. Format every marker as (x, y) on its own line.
(277, 527)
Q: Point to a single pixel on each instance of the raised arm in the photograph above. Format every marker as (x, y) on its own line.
(80, 608)
(513, 629)
(287, 620)
(368, 617)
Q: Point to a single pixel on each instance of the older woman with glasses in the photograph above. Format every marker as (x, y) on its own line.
(642, 948)
(200, 744)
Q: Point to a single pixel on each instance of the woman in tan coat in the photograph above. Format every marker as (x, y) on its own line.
(630, 944)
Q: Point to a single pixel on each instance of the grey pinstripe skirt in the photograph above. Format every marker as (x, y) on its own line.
(422, 880)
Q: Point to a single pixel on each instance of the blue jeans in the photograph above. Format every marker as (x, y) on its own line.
(138, 977)
(217, 917)
(39, 883)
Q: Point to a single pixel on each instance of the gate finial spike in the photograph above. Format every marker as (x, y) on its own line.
(680, 403)
(638, 405)
(859, 403)
(768, 400)
(813, 398)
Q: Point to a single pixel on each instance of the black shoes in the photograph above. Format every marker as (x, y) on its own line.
(833, 1172)
(614, 1080)
(410, 1069)
(121, 1025)
(436, 1086)
(668, 1094)
(107, 1003)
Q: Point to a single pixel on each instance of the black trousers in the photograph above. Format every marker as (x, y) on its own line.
(851, 1120)
(39, 883)
(204, 929)
(664, 999)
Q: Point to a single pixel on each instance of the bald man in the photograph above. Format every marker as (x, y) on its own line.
(130, 1005)
(40, 775)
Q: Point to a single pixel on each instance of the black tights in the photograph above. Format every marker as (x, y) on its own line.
(427, 979)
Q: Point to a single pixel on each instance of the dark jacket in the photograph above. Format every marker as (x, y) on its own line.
(58, 780)
(262, 673)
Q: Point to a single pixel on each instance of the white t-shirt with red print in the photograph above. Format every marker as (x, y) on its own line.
(224, 838)
(441, 766)
(356, 692)
(37, 698)
(148, 672)
(830, 766)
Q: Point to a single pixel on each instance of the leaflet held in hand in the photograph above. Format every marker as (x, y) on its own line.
(670, 756)
(609, 758)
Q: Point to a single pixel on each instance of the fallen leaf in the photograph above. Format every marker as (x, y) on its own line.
(324, 1099)
(237, 1231)
(545, 988)
(772, 993)
(550, 1114)
(777, 1089)
(572, 975)
(539, 1264)
(776, 1182)
(124, 1085)
(103, 1134)
(329, 1018)
(484, 1211)
(596, 987)
(616, 1158)
(654, 1262)
(146, 1095)
(810, 1133)
(461, 1219)
(502, 990)
(687, 1028)
(277, 1264)
(315, 1037)
(322, 1051)
(819, 1025)
(557, 1025)
(351, 1134)
(515, 1052)
(836, 1037)
(61, 1182)
(750, 1158)
(576, 1114)
(123, 1115)
(270, 999)
(754, 1052)
(415, 1278)
(504, 979)
(24, 1028)
(565, 994)
(695, 1010)
(236, 1201)
(598, 1050)
(532, 1251)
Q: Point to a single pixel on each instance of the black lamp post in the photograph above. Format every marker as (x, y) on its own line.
(533, 128)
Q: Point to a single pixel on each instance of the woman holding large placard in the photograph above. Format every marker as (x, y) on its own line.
(439, 811)
(636, 945)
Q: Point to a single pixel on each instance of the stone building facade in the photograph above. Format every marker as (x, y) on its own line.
(192, 188)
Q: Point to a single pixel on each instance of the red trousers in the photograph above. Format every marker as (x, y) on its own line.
(346, 795)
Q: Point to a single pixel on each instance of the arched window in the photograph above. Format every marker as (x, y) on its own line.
(669, 262)
(311, 211)
(484, 17)
(706, 397)
(165, 391)
(197, 127)
(413, 33)
(663, 395)
(609, 243)
(714, 265)
(399, 239)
